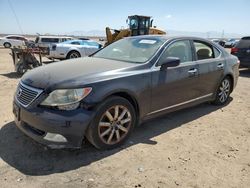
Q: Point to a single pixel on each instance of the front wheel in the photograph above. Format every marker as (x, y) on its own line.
(113, 123)
(7, 45)
(223, 92)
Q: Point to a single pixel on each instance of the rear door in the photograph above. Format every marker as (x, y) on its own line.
(211, 65)
(176, 85)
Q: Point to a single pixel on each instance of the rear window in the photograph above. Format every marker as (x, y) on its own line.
(88, 43)
(50, 40)
(244, 43)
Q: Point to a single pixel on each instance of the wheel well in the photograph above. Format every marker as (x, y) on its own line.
(131, 99)
(232, 81)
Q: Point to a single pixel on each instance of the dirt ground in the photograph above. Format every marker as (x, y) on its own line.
(203, 146)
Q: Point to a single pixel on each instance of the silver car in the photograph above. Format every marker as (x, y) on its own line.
(73, 49)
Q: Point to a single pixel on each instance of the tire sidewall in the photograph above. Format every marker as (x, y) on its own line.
(92, 132)
(7, 45)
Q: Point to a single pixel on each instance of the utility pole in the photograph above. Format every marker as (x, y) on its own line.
(222, 34)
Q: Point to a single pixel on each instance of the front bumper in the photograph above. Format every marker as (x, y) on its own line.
(53, 54)
(38, 123)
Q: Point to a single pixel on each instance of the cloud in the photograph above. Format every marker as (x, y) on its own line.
(168, 16)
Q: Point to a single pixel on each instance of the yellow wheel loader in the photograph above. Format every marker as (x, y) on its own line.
(138, 25)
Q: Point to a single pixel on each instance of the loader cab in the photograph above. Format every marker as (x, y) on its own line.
(139, 25)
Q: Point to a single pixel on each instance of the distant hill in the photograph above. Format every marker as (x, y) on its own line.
(92, 33)
(101, 33)
(210, 34)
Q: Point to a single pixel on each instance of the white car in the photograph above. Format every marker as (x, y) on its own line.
(73, 49)
(13, 41)
(231, 43)
(48, 41)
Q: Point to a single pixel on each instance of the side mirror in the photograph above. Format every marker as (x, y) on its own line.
(169, 62)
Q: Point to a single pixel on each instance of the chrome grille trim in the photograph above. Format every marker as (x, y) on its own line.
(25, 94)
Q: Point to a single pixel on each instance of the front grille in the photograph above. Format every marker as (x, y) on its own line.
(26, 94)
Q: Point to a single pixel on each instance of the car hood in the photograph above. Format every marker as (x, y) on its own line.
(74, 73)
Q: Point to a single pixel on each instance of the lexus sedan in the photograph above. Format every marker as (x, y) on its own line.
(73, 49)
(103, 97)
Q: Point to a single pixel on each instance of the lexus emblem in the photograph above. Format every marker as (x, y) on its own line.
(248, 51)
(19, 92)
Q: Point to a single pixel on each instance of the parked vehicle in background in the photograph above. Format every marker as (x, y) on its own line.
(219, 41)
(83, 38)
(242, 51)
(47, 41)
(104, 96)
(73, 49)
(231, 43)
(13, 41)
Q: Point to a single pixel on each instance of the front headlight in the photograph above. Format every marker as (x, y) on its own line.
(66, 99)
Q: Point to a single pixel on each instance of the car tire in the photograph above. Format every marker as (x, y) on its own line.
(223, 91)
(73, 54)
(113, 123)
(7, 45)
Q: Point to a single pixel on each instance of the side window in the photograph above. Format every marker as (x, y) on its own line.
(216, 52)
(11, 38)
(75, 43)
(203, 50)
(50, 40)
(180, 49)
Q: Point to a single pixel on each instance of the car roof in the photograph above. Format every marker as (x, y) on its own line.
(49, 36)
(15, 36)
(166, 37)
(79, 40)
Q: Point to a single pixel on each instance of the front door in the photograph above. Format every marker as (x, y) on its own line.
(175, 85)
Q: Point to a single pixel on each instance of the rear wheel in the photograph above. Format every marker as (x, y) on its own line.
(113, 123)
(223, 91)
(73, 54)
(7, 45)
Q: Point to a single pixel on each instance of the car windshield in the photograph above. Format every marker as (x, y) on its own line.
(134, 50)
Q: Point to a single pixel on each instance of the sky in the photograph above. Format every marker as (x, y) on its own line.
(61, 16)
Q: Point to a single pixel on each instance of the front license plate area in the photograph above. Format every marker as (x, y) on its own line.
(16, 111)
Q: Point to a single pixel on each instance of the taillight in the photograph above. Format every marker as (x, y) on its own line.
(234, 50)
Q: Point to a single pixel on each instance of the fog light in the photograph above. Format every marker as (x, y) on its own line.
(55, 137)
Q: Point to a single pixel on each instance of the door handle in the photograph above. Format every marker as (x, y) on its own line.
(220, 65)
(192, 71)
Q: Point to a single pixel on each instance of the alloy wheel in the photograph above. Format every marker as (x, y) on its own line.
(73, 55)
(224, 90)
(114, 124)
